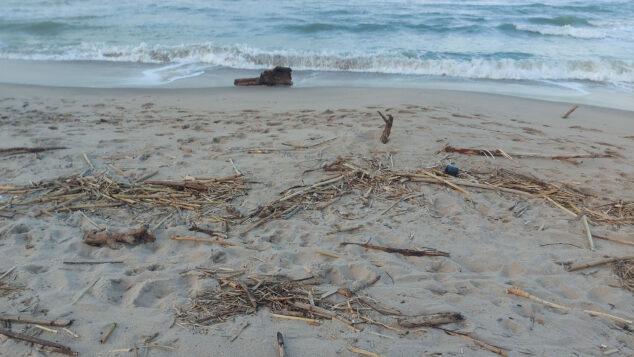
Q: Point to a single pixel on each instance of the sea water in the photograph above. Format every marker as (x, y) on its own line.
(564, 47)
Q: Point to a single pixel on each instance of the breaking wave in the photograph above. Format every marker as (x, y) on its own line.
(492, 66)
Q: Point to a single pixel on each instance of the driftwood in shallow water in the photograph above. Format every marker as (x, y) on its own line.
(388, 127)
(278, 76)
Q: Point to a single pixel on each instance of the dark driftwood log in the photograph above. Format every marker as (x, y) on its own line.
(431, 320)
(388, 127)
(278, 76)
(139, 235)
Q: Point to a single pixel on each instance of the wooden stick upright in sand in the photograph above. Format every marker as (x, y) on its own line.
(280, 344)
(388, 127)
(570, 112)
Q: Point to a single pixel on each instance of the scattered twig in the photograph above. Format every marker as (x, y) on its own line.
(85, 291)
(388, 127)
(88, 160)
(406, 252)
(93, 262)
(221, 242)
(280, 344)
(612, 240)
(405, 198)
(56, 347)
(8, 272)
(239, 332)
(45, 329)
(235, 168)
(21, 150)
(588, 233)
(448, 183)
(603, 262)
(26, 320)
(486, 346)
(519, 292)
(362, 351)
(570, 112)
(105, 336)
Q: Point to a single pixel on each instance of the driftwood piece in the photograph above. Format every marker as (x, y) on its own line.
(431, 320)
(179, 185)
(388, 127)
(26, 320)
(55, 347)
(22, 150)
(569, 112)
(139, 235)
(278, 76)
(406, 252)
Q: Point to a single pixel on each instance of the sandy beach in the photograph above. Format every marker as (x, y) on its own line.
(288, 141)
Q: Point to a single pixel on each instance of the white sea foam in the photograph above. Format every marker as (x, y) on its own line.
(189, 60)
(566, 30)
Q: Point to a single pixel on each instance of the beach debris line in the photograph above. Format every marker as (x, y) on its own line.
(499, 152)
(278, 76)
(54, 347)
(388, 127)
(428, 252)
(569, 112)
(135, 236)
(100, 191)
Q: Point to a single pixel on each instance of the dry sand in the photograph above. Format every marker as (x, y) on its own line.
(196, 132)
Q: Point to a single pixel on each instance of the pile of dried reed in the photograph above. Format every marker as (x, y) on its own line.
(284, 297)
(89, 192)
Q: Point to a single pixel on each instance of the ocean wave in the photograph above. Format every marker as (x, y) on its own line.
(462, 65)
(561, 21)
(550, 30)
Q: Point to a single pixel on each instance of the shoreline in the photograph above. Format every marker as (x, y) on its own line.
(281, 140)
(121, 75)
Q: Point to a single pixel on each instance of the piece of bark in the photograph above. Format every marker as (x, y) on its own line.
(55, 347)
(431, 320)
(406, 252)
(180, 185)
(388, 127)
(278, 76)
(139, 235)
